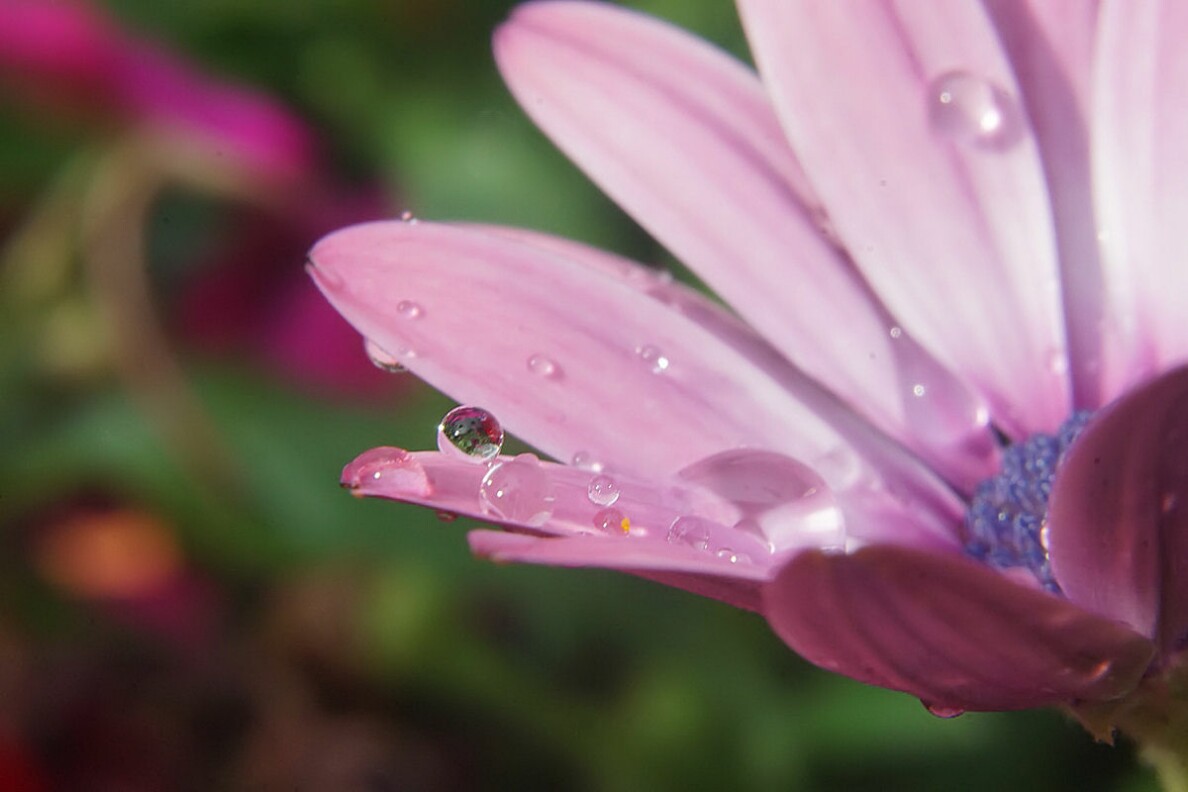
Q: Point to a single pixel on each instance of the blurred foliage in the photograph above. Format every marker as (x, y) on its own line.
(310, 640)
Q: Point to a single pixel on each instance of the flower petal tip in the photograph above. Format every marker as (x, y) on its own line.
(387, 472)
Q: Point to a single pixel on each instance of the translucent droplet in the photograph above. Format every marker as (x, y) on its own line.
(692, 531)
(544, 366)
(653, 358)
(470, 433)
(517, 491)
(730, 556)
(612, 521)
(919, 390)
(392, 470)
(584, 460)
(409, 309)
(970, 109)
(941, 711)
(603, 491)
(895, 332)
(406, 216)
(381, 359)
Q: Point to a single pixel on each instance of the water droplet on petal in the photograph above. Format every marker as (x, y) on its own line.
(395, 469)
(972, 110)
(612, 521)
(919, 390)
(409, 309)
(941, 711)
(691, 530)
(603, 491)
(731, 557)
(470, 433)
(653, 358)
(544, 366)
(895, 332)
(584, 460)
(381, 359)
(517, 491)
(406, 216)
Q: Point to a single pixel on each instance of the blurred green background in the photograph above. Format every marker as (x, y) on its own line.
(187, 598)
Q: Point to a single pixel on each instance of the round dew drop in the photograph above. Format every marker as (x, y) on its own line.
(603, 491)
(517, 491)
(612, 521)
(970, 109)
(471, 434)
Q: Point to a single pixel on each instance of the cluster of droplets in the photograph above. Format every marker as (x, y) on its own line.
(1006, 525)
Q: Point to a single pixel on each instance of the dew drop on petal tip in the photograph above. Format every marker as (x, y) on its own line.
(381, 359)
(517, 491)
(471, 434)
(408, 309)
(544, 367)
(653, 358)
(396, 469)
(972, 110)
(941, 711)
(603, 491)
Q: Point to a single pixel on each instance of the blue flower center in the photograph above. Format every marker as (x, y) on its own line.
(1006, 525)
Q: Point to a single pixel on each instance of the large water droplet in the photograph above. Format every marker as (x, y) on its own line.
(408, 309)
(544, 366)
(972, 110)
(612, 521)
(517, 491)
(653, 358)
(382, 359)
(393, 470)
(470, 433)
(691, 530)
(603, 491)
(786, 501)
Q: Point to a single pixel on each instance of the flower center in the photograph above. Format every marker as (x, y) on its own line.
(1007, 522)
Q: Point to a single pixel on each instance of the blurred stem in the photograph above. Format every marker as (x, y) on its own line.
(114, 227)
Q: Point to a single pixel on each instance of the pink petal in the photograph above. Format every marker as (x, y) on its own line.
(951, 224)
(1050, 43)
(949, 630)
(1119, 512)
(1140, 123)
(575, 361)
(741, 591)
(682, 137)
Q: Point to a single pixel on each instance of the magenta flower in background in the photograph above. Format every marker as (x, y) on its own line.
(938, 438)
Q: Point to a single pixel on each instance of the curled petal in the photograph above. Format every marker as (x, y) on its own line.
(949, 630)
(1118, 518)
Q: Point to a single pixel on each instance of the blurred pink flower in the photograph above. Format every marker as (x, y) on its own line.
(949, 233)
(69, 56)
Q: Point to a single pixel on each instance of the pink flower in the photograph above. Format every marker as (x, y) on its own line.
(69, 56)
(945, 231)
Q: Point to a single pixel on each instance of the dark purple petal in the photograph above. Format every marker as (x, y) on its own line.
(1119, 512)
(942, 627)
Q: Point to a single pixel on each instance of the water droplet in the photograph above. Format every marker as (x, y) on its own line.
(392, 469)
(919, 390)
(970, 109)
(381, 359)
(941, 711)
(470, 433)
(603, 491)
(690, 530)
(731, 557)
(409, 309)
(517, 491)
(406, 216)
(584, 460)
(544, 366)
(895, 332)
(653, 357)
(612, 521)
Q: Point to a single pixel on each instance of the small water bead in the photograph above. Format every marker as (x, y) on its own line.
(517, 491)
(653, 358)
(584, 460)
(603, 491)
(970, 109)
(730, 556)
(919, 390)
(381, 359)
(470, 433)
(409, 309)
(544, 366)
(612, 521)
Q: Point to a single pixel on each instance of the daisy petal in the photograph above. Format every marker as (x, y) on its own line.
(935, 186)
(1140, 123)
(1050, 43)
(949, 630)
(619, 376)
(683, 138)
(1119, 513)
